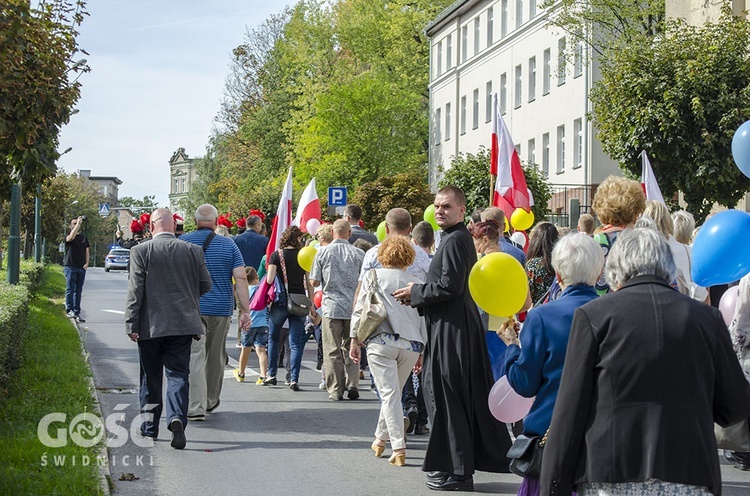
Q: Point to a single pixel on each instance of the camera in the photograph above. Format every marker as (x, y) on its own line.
(84, 218)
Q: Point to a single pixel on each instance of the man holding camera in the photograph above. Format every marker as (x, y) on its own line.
(75, 265)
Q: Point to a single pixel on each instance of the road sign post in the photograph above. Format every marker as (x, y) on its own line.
(336, 198)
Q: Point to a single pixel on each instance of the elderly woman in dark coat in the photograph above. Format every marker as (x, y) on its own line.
(647, 373)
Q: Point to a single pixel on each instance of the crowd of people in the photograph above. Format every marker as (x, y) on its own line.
(629, 363)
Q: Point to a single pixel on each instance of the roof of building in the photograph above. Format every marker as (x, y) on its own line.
(456, 8)
(114, 179)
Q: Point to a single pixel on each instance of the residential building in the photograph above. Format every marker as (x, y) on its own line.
(182, 175)
(543, 95)
(108, 185)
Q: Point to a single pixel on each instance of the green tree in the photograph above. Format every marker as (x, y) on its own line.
(680, 97)
(406, 190)
(147, 204)
(471, 173)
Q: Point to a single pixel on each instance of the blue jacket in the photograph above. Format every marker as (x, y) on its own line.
(252, 246)
(535, 368)
(511, 249)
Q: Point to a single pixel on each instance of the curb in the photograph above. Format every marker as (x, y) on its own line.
(106, 484)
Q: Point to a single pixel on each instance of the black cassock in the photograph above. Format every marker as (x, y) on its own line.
(457, 377)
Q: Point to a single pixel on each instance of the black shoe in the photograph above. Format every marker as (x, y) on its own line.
(411, 414)
(213, 408)
(294, 386)
(421, 429)
(145, 434)
(437, 475)
(178, 434)
(352, 394)
(269, 381)
(452, 483)
(196, 418)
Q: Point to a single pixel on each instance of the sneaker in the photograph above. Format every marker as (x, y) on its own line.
(178, 434)
(79, 319)
(260, 381)
(238, 376)
(322, 384)
(70, 314)
(238, 345)
(353, 394)
(197, 418)
(213, 408)
(294, 386)
(269, 381)
(421, 430)
(334, 398)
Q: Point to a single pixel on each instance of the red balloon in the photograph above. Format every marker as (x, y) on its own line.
(318, 299)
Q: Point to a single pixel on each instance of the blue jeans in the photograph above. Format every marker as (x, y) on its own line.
(74, 278)
(276, 319)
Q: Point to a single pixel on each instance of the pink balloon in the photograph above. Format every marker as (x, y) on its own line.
(728, 303)
(505, 404)
(312, 226)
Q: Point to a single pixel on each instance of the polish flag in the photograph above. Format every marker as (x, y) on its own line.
(308, 208)
(648, 180)
(283, 217)
(511, 191)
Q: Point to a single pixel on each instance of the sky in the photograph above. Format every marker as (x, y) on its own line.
(156, 84)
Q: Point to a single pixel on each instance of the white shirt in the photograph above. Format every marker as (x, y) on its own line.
(683, 257)
(418, 268)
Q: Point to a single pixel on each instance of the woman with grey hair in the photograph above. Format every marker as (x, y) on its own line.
(682, 253)
(534, 364)
(683, 223)
(647, 373)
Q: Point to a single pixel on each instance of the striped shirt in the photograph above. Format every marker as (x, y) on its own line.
(222, 257)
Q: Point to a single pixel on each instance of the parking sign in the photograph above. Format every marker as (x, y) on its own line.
(337, 196)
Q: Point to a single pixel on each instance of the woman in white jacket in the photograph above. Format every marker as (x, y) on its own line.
(395, 348)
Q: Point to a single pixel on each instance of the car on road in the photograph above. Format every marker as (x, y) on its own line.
(117, 258)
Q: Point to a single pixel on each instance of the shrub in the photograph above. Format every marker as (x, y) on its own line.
(14, 308)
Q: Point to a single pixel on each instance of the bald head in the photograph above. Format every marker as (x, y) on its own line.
(398, 222)
(206, 216)
(341, 229)
(162, 220)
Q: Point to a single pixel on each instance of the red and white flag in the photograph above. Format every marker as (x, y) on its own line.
(511, 191)
(648, 180)
(308, 207)
(283, 217)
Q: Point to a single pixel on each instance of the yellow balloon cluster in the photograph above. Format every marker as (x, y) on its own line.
(498, 284)
(305, 257)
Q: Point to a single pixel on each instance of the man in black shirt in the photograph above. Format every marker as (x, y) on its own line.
(75, 265)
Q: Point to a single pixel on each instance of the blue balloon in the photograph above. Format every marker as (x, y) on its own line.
(741, 148)
(720, 251)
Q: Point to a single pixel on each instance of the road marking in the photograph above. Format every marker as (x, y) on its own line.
(118, 312)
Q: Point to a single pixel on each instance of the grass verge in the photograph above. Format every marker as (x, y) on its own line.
(52, 378)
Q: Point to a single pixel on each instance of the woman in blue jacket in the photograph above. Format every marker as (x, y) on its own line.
(534, 364)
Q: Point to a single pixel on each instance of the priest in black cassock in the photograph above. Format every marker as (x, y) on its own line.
(465, 436)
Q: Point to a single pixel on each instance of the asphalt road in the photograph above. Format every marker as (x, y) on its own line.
(261, 440)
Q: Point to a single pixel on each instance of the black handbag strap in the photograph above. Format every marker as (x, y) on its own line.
(283, 270)
(208, 240)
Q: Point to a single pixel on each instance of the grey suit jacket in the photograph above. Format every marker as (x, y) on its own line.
(167, 278)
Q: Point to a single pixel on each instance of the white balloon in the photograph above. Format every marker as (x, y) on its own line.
(518, 237)
(312, 226)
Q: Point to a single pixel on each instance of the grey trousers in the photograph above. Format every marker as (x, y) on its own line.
(207, 363)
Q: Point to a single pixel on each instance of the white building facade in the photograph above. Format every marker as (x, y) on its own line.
(482, 47)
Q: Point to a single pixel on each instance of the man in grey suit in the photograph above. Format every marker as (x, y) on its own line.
(162, 315)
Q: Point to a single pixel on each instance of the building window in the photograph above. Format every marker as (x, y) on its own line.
(488, 102)
(475, 109)
(476, 35)
(439, 58)
(546, 78)
(182, 186)
(464, 43)
(463, 115)
(503, 18)
(532, 151)
(447, 121)
(578, 60)
(518, 149)
(503, 93)
(560, 149)
(519, 13)
(545, 153)
(532, 9)
(532, 79)
(518, 87)
(578, 145)
(438, 126)
(490, 26)
(448, 52)
(561, 61)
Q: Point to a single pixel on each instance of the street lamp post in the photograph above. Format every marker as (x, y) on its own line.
(14, 237)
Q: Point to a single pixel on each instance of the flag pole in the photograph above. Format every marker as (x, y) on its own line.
(493, 180)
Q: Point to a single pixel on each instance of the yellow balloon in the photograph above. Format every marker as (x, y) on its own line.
(305, 257)
(521, 219)
(498, 284)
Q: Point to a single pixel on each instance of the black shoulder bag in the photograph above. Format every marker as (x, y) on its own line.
(526, 455)
(296, 304)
